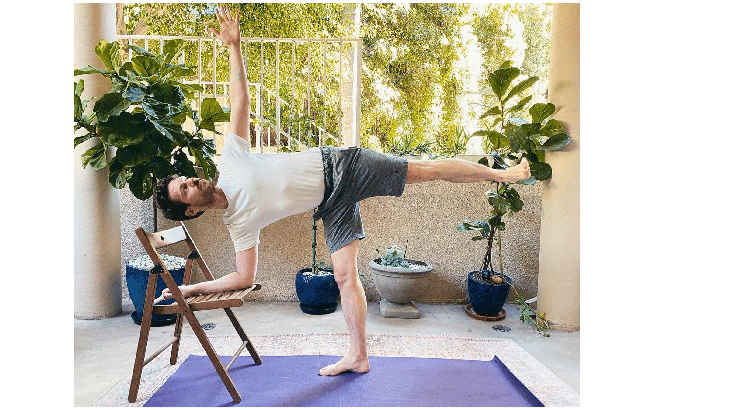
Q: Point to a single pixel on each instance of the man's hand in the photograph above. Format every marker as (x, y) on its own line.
(517, 173)
(185, 290)
(230, 33)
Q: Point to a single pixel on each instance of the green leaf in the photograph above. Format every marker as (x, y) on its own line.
(522, 86)
(122, 130)
(93, 70)
(145, 66)
(210, 113)
(161, 167)
(518, 139)
(205, 162)
(78, 108)
(540, 111)
(167, 93)
(118, 174)
(551, 128)
(171, 50)
(127, 71)
(529, 181)
(513, 197)
(110, 104)
(134, 155)
(183, 166)
(500, 205)
(140, 183)
(492, 111)
(541, 170)
(500, 80)
(520, 105)
(133, 93)
(554, 143)
(79, 88)
(108, 53)
(188, 89)
(95, 156)
(81, 139)
(531, 128)
(498, 140)
(141, 51)
(480, 133)
(506, 64)
(498, 162)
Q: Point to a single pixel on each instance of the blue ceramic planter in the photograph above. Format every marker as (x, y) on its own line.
(487, 299)
(137, 286)
(317, 293)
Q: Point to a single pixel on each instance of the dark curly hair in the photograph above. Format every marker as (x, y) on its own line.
(173, 210)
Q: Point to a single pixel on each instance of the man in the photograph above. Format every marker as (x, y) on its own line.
(258, 189)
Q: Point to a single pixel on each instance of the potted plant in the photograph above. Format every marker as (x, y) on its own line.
(318, 291)
(406, 146)
(510, 138)
(398, 280)
(453, 143)
(142, 117)
(137, 274)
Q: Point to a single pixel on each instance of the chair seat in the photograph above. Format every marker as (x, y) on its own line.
(217, 300)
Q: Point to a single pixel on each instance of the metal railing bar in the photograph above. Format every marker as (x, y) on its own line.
(324, 85)
(278, 100)
(257, 39)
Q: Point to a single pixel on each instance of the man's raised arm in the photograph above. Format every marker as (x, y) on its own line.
(230, 36)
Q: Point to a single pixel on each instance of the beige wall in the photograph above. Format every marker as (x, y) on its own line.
(97, 289)
(559, 284)
(426, 215)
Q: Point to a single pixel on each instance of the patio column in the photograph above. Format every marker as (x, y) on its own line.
(559, 278)
(97, 239)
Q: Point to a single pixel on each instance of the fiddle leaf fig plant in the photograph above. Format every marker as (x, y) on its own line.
(512, 138)
(142, 117)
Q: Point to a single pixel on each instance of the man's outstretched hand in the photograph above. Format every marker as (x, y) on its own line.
(517, 173)
(230, 32)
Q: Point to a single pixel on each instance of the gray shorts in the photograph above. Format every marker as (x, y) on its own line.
(351, 175)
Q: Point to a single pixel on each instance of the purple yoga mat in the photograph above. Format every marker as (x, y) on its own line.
(283, 381)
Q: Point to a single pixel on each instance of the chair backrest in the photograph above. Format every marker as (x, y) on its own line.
(151, 241)
(166, 238)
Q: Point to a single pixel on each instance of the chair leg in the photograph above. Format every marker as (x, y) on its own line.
(242, 334)
(144, 332)
(225, 377)
(176, 344)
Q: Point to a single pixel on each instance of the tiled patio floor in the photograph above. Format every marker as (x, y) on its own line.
(104, 349)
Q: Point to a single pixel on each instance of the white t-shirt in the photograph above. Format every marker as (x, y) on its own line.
(263, 188)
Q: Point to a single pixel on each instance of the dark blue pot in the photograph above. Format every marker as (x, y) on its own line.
(137, 286)
(317, 293)
(486, 299)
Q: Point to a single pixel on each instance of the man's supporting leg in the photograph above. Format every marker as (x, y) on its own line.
(459, 170)
(354, 307)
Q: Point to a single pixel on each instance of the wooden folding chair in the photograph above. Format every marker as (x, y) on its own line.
(185, 307)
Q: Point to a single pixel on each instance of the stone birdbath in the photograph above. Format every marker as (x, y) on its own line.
(399, 287)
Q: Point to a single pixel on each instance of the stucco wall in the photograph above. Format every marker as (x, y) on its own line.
(426, 215)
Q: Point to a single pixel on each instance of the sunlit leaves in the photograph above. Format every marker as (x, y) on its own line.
(540, 111)
(95, 157)
(500, 80)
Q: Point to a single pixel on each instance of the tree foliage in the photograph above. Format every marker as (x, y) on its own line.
(409, 51)
(409, 54)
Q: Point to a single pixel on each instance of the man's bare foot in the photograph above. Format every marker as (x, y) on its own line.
(517, 173)
(346, 364)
